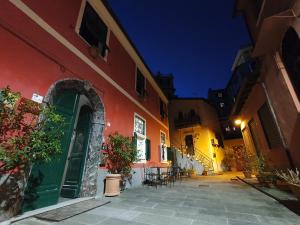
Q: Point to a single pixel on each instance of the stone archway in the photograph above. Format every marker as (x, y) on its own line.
(89, 183)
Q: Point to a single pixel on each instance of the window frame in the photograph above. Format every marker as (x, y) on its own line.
(79, 22)
(136, 75)
(142, 118)
(141, 137)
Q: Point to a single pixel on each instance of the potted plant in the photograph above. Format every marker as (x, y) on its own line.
(245, 160)
(263, 176)
(292, 178)
(29, 133)
(120, 154)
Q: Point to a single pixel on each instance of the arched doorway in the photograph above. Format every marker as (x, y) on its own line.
(73, 173)
(291, 57)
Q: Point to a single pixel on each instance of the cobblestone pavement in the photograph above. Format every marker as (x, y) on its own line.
(212, 200)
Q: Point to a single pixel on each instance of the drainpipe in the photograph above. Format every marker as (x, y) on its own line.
(284, 143)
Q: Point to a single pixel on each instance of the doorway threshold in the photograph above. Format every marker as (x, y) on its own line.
(45, 209)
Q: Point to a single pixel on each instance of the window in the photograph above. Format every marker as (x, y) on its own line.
(162, 109)
(227, 128)
(258, 5)
(220, 95)
(269, 127)
(180, 115)
(93, 29)
(140, 83)
(139, 125)
(192, 113)
(163, 147)
(142, 144)
(253, 132)
(291, 56)
(222, 104)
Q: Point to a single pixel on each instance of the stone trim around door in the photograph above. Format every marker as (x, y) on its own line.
(89, 177)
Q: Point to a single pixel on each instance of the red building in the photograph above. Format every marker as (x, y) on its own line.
(75, 55)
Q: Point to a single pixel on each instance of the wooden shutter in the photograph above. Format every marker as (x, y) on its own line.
(148, 149)
(134, 140)
(170, 154)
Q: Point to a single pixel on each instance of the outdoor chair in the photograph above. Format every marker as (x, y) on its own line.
(151, 177)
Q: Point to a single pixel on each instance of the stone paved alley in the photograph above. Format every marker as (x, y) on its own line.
(205, 201)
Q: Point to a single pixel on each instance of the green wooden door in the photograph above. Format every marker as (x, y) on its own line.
(44, 184)
(71, 186)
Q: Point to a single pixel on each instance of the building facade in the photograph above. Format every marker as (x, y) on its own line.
(195, 131)
(77, 57)
(268, 103)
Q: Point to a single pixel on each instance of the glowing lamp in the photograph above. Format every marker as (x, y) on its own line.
(238, 122)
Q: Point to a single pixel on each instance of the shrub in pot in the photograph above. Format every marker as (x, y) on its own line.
(292, 178)
(245, 160)
(120, 154)
(29, 133)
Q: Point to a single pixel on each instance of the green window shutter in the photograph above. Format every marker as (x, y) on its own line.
(148, 149)
(134, 140)
(170, 154)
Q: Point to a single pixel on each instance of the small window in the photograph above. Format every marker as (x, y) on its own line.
(268, 123)
(192, 113)
(222, 104)
(140, 83)
(227, 129)
(220, 95)
(93, 29)
(180, 115)
(162, 108)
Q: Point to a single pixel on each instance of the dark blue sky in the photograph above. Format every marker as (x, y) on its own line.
(196, 40)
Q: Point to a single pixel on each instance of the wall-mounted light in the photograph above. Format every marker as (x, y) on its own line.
(238, 122)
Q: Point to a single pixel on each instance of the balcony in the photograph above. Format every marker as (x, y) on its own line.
(186, 121)
(269, 8)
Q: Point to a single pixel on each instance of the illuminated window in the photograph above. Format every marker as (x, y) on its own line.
(220, 95)
(222, 104)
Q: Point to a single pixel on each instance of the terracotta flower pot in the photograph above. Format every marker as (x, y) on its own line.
(112, 185)
(296, 190)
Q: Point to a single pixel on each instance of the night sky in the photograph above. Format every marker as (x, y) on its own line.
(195, 40)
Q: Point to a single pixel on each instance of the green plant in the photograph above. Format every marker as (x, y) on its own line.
(228, 161)
(120, 154)
(245, 159)
(290, 176)
(29, 132)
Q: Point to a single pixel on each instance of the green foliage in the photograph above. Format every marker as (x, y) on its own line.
(246, 159)
(120, 155)
(29, 132)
